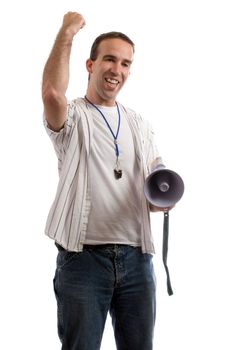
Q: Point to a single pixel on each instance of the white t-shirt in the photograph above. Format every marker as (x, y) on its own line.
(68, 217)
(116, 207)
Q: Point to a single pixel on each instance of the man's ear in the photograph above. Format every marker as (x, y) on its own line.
(89, 65)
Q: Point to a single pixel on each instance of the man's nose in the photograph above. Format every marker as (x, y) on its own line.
(116, 68)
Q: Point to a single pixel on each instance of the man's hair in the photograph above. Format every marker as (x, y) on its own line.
(104, 36)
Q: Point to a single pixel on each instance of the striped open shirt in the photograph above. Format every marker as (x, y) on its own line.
(68, 217)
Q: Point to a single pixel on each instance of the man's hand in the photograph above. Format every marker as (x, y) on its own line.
(154, 209)
(72, 23)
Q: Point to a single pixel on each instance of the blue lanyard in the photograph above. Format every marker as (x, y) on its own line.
(118, 127)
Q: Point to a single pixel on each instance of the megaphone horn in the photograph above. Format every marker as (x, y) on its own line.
(163, 187)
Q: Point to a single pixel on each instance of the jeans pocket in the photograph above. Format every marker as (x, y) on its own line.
(64, 258)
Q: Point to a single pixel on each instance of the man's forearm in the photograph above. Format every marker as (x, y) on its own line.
(56, 71)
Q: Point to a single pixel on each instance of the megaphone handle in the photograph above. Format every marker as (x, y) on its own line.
(165, 249)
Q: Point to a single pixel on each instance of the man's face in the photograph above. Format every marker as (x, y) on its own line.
(109, 71)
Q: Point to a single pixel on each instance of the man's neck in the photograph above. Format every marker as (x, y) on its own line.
(99, 101)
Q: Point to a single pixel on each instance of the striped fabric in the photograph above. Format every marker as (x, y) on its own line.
(68, 217)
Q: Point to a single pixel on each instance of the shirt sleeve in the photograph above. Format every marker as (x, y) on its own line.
(153, 158)
(61, 138)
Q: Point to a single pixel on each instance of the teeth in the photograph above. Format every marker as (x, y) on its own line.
(112, 81)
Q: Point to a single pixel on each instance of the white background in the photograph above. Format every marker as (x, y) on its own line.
(182, 81)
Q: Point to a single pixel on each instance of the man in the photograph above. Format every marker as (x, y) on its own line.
(100, 217)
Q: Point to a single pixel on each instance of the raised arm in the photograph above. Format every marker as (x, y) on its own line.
(56, 72)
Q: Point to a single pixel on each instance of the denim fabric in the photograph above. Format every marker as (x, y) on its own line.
(114, 278)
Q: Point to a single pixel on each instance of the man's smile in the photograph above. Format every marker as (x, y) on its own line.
(112, 81)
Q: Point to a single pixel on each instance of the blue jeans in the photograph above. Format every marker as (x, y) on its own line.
(115, 278)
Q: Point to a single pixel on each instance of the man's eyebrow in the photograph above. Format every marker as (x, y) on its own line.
(109, 56)
(114, 57)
